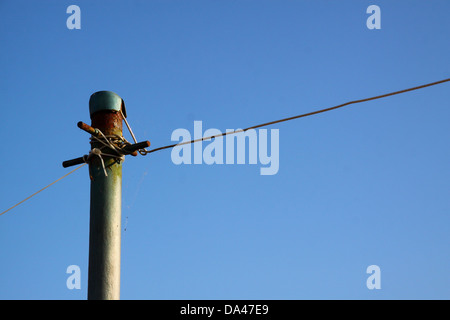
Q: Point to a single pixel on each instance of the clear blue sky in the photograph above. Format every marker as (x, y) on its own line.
(365, 185)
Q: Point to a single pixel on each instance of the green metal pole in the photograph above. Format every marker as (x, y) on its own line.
(105, 215)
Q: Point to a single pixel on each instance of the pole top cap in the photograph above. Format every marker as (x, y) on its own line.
(106, 100)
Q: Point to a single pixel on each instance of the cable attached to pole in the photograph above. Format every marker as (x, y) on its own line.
(132, 149)
(43, 188)
(302, 115)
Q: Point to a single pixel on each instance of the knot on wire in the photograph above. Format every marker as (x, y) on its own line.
(114, 145)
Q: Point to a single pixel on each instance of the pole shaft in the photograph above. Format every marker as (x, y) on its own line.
(105, 216)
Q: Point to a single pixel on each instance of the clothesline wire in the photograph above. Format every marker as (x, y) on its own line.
(144, 152)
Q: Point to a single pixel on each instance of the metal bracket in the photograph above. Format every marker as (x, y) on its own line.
(128, 149)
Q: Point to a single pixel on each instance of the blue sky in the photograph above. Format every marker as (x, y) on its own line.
(360, 186)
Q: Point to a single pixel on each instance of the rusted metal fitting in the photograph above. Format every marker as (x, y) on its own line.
(132, 148)
(85, 127)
